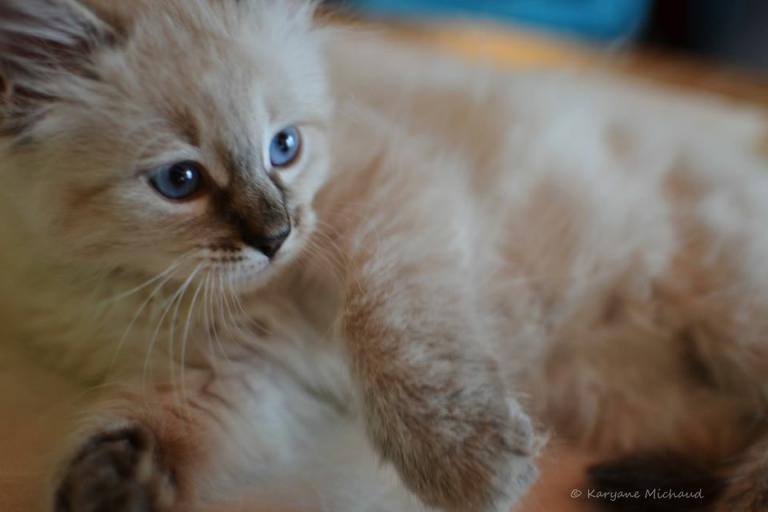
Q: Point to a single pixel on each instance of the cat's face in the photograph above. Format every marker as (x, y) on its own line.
(179, 136)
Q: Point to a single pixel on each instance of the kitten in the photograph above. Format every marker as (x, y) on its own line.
(164, 158)
(297, 264)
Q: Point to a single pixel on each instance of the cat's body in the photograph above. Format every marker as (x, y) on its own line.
(589, 251)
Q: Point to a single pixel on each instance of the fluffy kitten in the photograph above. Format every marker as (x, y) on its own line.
(300, 254)
(162, 160)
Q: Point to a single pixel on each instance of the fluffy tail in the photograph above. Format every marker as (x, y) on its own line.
(747, 484)
(655, 483)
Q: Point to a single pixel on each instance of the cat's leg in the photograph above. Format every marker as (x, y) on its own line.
(122, 466)
(434, 403)
(176, 449)
(131, 455)
(256, 433)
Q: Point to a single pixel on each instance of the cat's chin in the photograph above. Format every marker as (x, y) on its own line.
(255, 275)
(245, 282)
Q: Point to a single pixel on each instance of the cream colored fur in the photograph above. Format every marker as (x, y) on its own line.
(582, 250)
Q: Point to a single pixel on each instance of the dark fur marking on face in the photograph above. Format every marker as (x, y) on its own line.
(228, 260)
(254, 213)
(223, 247)
(241, 160)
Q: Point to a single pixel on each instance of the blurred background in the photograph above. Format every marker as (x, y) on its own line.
(730, 33)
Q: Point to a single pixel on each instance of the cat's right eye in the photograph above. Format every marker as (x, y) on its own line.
(179, 182)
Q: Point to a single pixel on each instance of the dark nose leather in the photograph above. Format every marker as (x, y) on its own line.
(271, 245)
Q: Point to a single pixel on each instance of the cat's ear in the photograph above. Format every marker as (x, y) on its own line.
(41, 40)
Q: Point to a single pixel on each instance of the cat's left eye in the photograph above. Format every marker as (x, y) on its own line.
(285, 148)
(179, 182)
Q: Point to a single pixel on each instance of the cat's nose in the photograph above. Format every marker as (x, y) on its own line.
(271, 245)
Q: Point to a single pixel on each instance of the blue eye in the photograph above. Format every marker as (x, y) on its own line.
(285, 147)
(179, 181)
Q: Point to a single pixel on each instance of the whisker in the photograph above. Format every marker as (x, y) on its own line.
(226, 308)
(216, 335)
(173, 361)
(219, 311)
(236, 298)
(207, 323)
(330, 243)
(166, 309)
(185, 338)
(172, 268)
(174, 322)
(138, 313)
(318, 253)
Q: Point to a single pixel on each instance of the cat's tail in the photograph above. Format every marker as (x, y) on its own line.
(677, 483)
(655, 483)
(666, 483)
(669, 483)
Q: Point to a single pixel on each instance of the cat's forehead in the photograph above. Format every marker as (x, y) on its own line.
(218, 48)
(202, 14)
(221, 79)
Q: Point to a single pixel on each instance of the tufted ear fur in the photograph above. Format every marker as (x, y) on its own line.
(42, 42)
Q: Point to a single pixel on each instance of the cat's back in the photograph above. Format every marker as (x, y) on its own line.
(517, 122)
(565, 183)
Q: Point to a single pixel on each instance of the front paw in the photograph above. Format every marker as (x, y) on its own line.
(497, 472)
(479, 460)
(517, 469)
(117, 471)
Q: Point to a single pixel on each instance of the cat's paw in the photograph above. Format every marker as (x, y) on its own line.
(518, 471)
(479, 463)
(510, 460)
(117, 471)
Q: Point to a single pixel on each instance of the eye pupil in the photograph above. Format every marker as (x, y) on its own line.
(180, 176)
(285, 147)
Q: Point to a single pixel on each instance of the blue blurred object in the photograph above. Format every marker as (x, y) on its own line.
(600, 20)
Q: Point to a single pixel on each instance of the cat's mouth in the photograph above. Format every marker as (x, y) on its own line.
(245, 268)
(234, 266)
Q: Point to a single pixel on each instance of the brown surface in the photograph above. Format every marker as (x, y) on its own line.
(520, 50)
